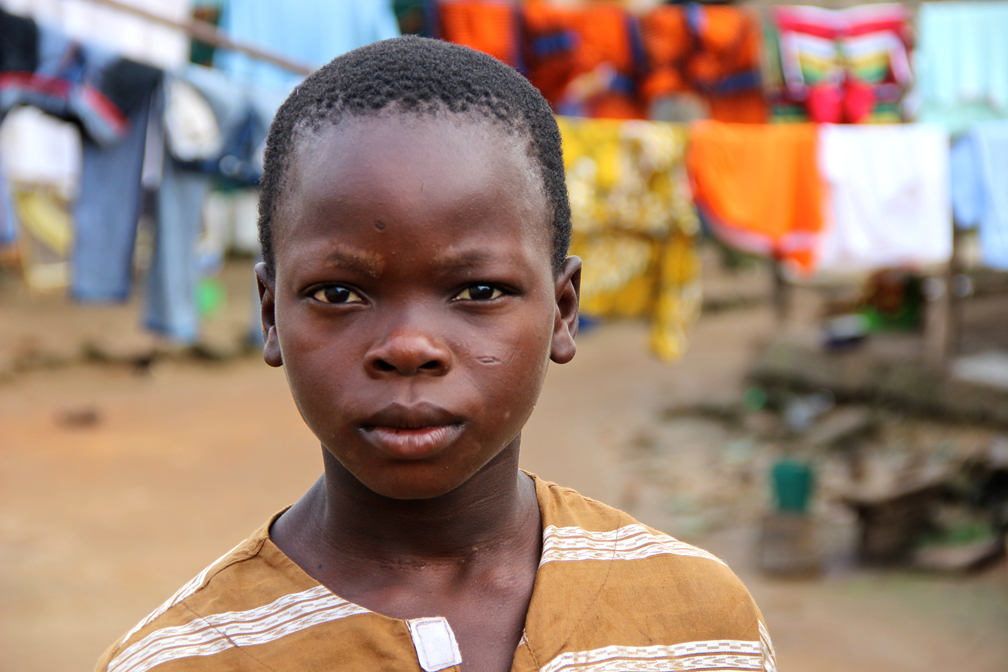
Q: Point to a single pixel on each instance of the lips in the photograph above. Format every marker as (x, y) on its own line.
(411, 432)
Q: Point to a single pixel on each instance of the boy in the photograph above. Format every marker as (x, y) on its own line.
(414, 224)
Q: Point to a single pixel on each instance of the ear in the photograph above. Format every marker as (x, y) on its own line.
(267, 304)
(565, 325)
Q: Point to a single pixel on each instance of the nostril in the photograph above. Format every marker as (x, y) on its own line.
(382, 365)
(432, 365)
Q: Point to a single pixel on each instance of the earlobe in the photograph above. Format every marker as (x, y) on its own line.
(267, 304)
(565, 325)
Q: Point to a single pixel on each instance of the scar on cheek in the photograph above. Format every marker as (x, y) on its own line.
(488, 360)
(380, 225)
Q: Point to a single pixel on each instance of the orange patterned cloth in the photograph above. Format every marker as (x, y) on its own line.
(583, 56)
(713, 51)
(490, 27)
(759, 188)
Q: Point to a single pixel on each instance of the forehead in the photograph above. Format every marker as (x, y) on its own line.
(451, 161)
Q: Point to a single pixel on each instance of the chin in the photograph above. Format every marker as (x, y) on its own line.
(410, 481)
(412, 490)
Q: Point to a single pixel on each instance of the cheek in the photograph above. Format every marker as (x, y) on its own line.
(314, 359)
(510, 365)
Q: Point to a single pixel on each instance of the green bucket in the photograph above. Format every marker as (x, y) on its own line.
(793, 482)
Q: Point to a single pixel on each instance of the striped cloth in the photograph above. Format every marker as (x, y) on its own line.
(610, 595)
(847, 65)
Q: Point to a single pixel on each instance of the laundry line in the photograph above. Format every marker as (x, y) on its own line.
(205, 32)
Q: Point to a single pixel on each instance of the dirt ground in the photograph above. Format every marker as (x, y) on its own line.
(119, 483)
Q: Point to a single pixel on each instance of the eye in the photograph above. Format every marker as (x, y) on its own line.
(478, 293)
(337, 294)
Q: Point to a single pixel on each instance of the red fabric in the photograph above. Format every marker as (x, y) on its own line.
(63, 88)
(858, 100)
(850, 103)
(824, 104)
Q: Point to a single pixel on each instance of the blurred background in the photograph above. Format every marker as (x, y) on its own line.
(794, 347)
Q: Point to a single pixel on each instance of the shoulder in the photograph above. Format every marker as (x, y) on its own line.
(577, 529)
(245, 585)
(638, 585)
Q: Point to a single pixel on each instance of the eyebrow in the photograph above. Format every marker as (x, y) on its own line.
(355, 260)
(450, 261)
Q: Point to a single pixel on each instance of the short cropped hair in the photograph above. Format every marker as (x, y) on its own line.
(418, 76)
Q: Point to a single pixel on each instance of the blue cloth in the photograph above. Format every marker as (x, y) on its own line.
(106, 214)
(171, 283)
(962, 63)
(8, 221)
(979, 165)
(311, 32)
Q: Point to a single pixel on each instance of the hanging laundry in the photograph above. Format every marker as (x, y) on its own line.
(713, 51)
(38, 149)
(980, 188)
(312, 32)
(962, 62)
(839, 66)
(133, 37)
(18, 43)
(758, 187)
(218, 127)
(586, 60)
(889, 201)
(106, 212)
(109, 97)
(8, 220)
(86, 84)
(493, 27)
(634, 225)
(215, 130)
(175, 271)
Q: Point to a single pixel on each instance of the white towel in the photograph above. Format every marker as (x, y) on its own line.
(889, 202)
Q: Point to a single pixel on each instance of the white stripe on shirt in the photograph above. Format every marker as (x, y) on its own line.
(181, 594)
(726, 654)
(204, 636)
(631, 542)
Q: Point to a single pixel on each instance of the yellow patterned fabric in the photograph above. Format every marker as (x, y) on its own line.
(634, 225)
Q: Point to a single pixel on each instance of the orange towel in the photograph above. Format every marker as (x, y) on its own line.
(759, 188)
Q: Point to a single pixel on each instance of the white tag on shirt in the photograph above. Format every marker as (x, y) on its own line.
(435, 643)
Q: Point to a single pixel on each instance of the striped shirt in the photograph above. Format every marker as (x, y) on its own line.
(610, 595)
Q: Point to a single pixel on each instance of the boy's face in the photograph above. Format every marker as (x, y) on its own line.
(414, 307)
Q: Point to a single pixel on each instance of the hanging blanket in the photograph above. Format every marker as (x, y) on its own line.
(634, 225)
(758, 188)
(980, 188)
(889, 199)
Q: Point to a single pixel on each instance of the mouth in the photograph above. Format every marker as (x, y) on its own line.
(411, 432)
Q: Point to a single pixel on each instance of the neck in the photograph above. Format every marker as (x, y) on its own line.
(493, 508)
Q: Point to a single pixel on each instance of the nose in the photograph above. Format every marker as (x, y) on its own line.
(408, 353)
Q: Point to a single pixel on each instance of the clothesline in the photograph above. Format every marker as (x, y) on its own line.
(632, 206)
(204, 32)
